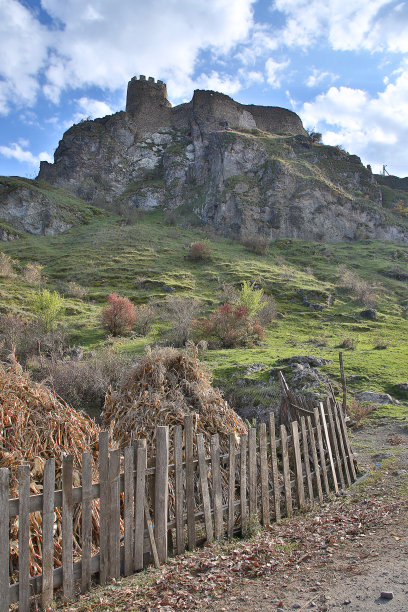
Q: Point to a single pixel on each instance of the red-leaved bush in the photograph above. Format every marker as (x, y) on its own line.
(118, 317)
(200, 251)
(230, 326)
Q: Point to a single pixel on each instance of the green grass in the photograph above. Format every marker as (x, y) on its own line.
(143, 260)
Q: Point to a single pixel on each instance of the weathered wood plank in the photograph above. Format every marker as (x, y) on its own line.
(315, 459)
(328, 446)
(243, 484)
(252, 473)
(179, 490)
(104, 505)
(263, 455)
(342, 448)
(216, 486)
(23, 538)
(347, 444)
(140, 488)
(86, 528)
(67, 527)
(151, 533)
(275, 472)
(203, 468)
(161, 495)
(48, 533)
(4, 540)
(188, 442)
(286, 473)
(321, 450)
(343, 382)
(335, 446)
(231, 486)
(128, 511)
(300, 490)
(114, 519)
(305, 446)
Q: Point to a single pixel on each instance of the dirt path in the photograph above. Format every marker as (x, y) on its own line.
(339, 556)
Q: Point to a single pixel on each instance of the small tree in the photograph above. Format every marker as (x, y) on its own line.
(118, 317)
(48, 306)
(181, 313)
(250, 298)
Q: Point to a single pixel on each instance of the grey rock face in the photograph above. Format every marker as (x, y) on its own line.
(243, 169)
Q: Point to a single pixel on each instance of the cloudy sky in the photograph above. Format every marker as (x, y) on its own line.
(342, 65)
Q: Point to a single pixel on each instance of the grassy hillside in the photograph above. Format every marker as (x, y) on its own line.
(148, 259)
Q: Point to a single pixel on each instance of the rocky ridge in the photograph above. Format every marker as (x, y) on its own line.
(246, 170)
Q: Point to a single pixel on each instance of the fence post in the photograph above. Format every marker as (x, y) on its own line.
(306, 459)
(274, 459)
(231, 486)
(286, 473)
(23, 538)
(252, 473)
(104, 506)
(243, 484)
(140, 494)
(329, 450)
(114, 522)
(321, 450)
(86, 521)
(202, 464)
(161, 495)
(315, 459)
(263, 453)
(179, 505)
(188, 440)
(4, 540)
(129, 495)
(48, 533)
(298, 466)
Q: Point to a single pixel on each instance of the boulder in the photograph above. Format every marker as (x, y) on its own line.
(374, 397)
(369, 313)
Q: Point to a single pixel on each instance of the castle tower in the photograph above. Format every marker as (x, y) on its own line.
(145, 93)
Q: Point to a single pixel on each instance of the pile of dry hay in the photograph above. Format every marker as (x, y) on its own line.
(166, 385)
(36, 425)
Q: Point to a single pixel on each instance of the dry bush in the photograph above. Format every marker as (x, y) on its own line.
(118, 317)
(229, 326)
(348, 343)
(357, 411)
(228, 294)
(6, 266)
(28, 338)
(396, 439)
(146, 315)
(180, 313)
(287, 273)
(200, 252)
(32, 274)
(75, 290)
(83, 384)
(360, 289)
(269, 312)
(381, 343)
(256, 243)
(319, 340)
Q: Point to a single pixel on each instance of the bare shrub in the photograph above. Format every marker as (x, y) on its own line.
(75, 290)
(32, 274)
(145, 317)
(180, 313)
(381, 343)
(228, 294)
(229, 326)
(6, 266)
(319, 341)
(83, 384)
(268, 312)
(287, 273)
(256, 243)
(118, 317)
(357, 411)
(348, 343)
(29, 338)
(361, 290)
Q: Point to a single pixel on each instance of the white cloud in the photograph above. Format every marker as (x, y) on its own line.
(347, 24)
(274, 71)
(318, 76)
(18, 151)
(373, 127)
(92, 108)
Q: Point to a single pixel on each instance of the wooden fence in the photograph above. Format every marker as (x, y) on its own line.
(149, 511)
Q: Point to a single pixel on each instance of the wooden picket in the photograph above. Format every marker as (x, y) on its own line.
(260, 477)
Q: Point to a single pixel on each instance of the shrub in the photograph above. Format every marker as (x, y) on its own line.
(250, 298)
(145, 317)
(230, 326)
(6, 265)
(348, 343)
(200, 251)
(228, 293)
(268, 311)
(357, 411)
(256, 243)
(319, 340)
(381, 343)
(118, 317)
(32, 274)
(48, 306)
(76, 291)
(180, 313)
(361, 290)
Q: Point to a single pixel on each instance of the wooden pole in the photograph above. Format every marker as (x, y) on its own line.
(161, 496)
(343, 382)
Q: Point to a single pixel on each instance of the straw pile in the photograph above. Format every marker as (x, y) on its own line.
(166, 385)
(36, 425)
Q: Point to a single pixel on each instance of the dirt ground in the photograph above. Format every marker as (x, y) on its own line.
(339, 556)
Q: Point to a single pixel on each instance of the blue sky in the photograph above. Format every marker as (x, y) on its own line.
(342, 65)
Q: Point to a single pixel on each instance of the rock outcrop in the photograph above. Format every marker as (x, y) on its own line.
(35, 208)
(243, 169)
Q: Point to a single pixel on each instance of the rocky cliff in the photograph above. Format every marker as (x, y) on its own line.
(38, 208)
(244, 169)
